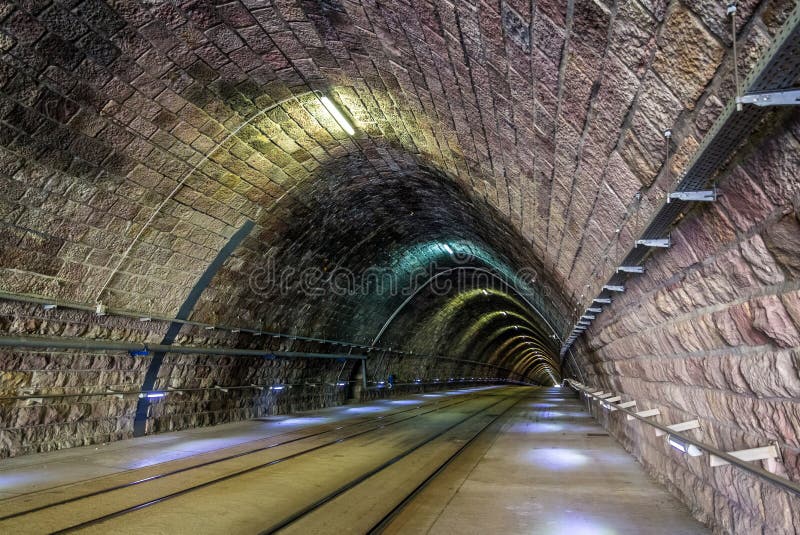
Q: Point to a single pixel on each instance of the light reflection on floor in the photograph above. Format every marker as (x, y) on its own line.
(554, 471)
(26, 477)
(404, 402)
(576, 524)
(535, 427)
(305, 420)
(556, 458)
(206, 444)
(365, 409)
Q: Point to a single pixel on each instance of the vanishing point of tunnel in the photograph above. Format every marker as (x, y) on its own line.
(400, 266)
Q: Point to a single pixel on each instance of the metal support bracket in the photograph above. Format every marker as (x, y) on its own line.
(644, 414)
(683, 426)
(614, 288)
(602, 300)
(609, 403)
(789, 97)
(658, 242)
(753, 454)
(630, 269)
(707, 195)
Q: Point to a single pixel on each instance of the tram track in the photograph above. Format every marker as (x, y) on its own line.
(289, 522)
(378, 423)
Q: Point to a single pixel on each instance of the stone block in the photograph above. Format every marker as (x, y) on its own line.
(687, 57)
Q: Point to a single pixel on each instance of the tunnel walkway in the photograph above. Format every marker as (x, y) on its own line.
(509, 459)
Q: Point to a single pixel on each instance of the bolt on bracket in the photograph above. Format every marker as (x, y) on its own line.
(659, 242)
(709, 195)
(630, 269)
(789, 97)
(614, 288)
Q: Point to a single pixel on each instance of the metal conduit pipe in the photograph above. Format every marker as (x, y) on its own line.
(168, 390)
(138, 315)
(128, 314)
(104, 345)
(778, 481)
(221, 388)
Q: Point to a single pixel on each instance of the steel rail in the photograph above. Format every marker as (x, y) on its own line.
(261, 466)
(363, 477)
(359, 421)
(391, 515)
(778, 481)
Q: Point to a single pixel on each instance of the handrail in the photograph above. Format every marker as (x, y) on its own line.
(223, 388)
(105, 345)
(781, 482)
(110, 312)
(36, 300)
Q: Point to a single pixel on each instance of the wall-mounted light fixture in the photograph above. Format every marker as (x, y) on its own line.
(336, 114)
(683, 446)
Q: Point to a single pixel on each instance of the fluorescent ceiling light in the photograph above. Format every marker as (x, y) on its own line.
(337, 115)
(447, 248)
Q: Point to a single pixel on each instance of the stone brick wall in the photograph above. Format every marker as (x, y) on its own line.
(528, 132)
(712, 331)
(73, 406)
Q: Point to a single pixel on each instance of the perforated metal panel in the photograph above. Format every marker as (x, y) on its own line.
(778, 68)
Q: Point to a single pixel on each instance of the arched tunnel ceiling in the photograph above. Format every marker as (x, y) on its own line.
(515, 133)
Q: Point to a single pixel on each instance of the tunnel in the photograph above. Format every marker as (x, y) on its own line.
(366, 266)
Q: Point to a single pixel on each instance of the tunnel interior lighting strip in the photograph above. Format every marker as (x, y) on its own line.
(337, 115)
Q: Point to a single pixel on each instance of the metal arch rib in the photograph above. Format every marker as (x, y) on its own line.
(430, 279)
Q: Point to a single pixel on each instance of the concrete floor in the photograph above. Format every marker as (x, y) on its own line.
(542, 467)
(32, 473)
(551, 470)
